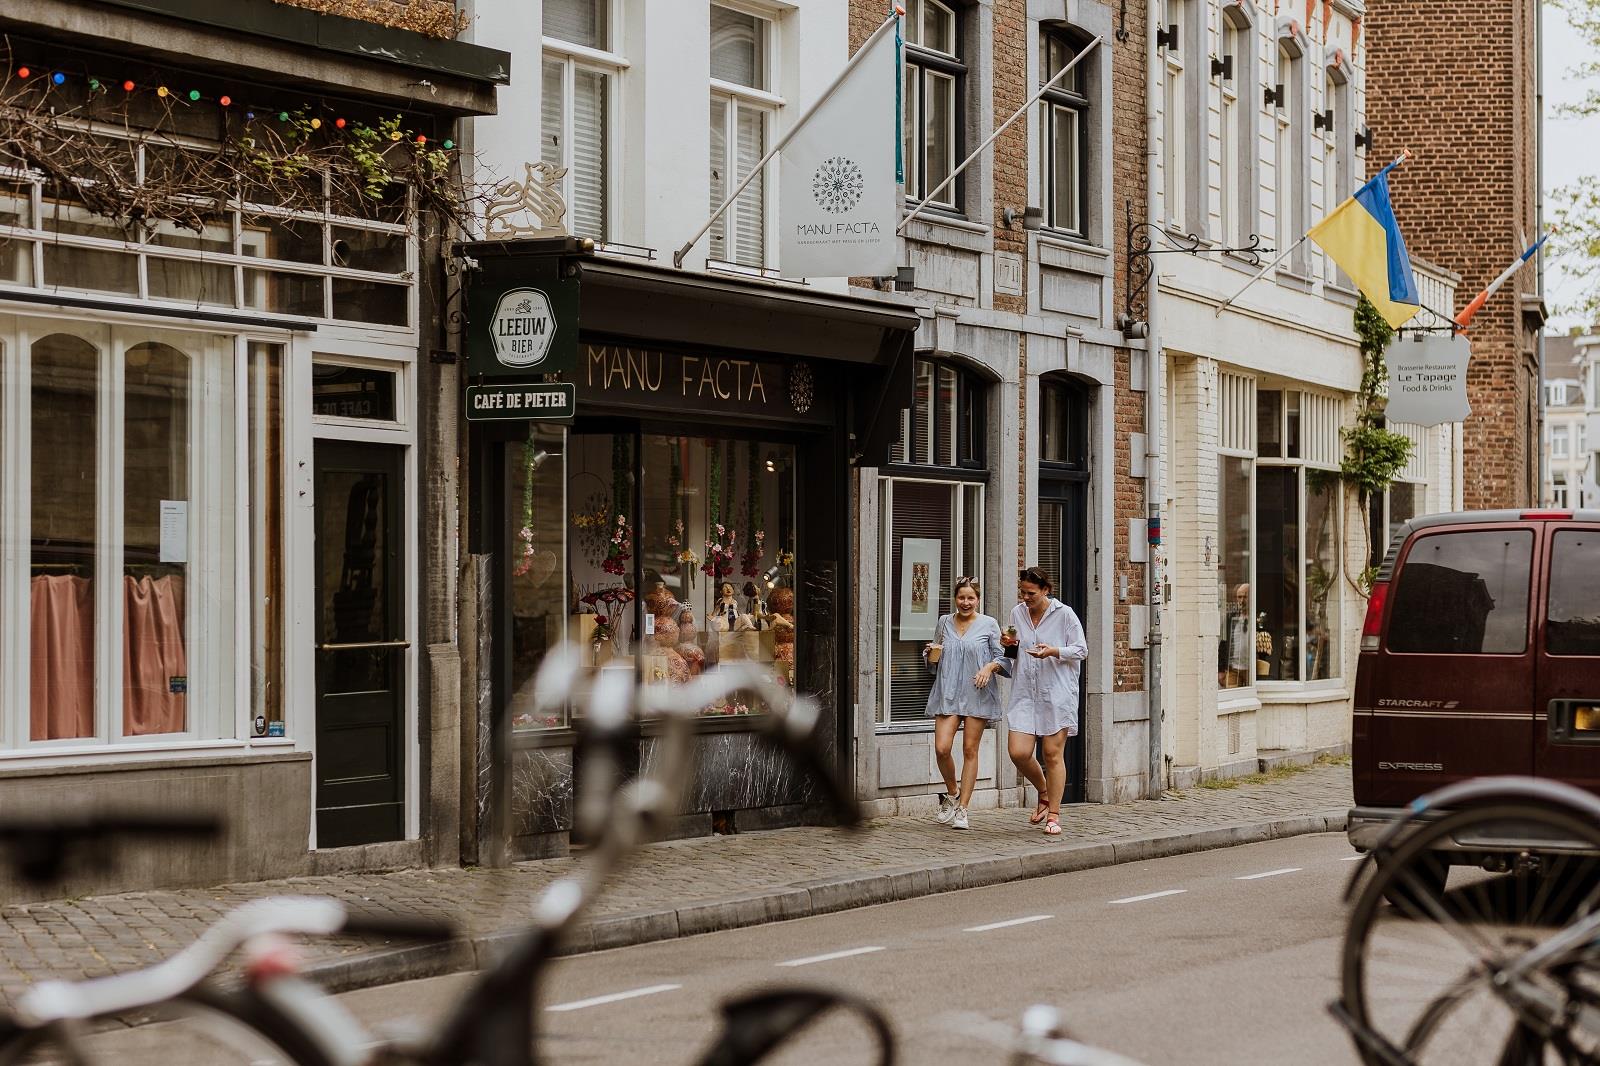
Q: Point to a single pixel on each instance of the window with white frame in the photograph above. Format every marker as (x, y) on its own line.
(1558, 492)
(931, 508)
(1297, 539)
(247, 255)
(1339, 149)
(931, 99)
(141, 478)
(1288, 180)
(1064, 136)
(1558, 442)
(577, 100)
(1230, 176)
(742, 107)
(1174, 126)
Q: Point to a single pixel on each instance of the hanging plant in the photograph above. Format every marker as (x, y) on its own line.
(620, 547)
(525, 531)
(754, 548)
(1373, 454)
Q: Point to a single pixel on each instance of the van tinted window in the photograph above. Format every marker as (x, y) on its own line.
(1574, 615)
(1463, 594)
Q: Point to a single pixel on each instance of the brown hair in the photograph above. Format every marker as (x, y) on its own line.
(966, 583)
(1035, 575)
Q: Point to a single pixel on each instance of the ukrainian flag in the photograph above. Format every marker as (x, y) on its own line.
(1363, 237)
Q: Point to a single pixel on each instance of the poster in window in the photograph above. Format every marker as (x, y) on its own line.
(919, 587)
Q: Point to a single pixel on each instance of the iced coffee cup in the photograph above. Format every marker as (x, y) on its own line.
(934, 651)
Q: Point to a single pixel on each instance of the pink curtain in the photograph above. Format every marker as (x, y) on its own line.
(61, 671)
(155, 664)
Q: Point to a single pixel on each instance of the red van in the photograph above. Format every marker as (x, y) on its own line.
(1480, 656)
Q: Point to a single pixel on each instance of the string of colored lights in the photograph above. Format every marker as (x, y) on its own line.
(58, 78)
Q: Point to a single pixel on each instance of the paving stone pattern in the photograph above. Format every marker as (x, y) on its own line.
(100, 935)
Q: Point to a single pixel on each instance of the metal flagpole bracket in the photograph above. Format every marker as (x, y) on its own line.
(1141, 246)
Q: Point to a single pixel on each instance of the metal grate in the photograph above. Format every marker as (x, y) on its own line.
(1237, 431)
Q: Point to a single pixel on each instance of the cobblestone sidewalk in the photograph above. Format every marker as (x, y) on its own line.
(675, 888)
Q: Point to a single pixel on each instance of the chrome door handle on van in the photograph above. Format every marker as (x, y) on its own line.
(1575, 721)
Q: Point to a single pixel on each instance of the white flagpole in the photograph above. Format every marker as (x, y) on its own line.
(1046, 87)
(861, 53)
(1261, 274)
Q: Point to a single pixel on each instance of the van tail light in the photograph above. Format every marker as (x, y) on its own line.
(1532, 516)
(1374, 623)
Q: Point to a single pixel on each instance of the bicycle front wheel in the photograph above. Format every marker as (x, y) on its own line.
(1426, 956)
(203, 1026)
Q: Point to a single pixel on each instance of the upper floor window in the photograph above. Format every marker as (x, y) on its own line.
(1558, 442)
(742, 106)
(577, 95)
(1556, 394)
(946, 423)
(1063, 426)
(1286, 183)
(1064, 137)
(1338, 146)
(1174, 131)
(1231, 135)
(932, 96)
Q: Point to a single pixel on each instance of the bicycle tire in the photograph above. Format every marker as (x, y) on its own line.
(261, 1035)
(1418, 957)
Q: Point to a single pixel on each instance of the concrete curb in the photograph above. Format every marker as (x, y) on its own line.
(807, 898)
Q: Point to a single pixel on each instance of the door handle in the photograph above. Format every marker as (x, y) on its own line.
(366, 645)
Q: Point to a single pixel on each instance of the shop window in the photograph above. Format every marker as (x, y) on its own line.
(1064, 136)
(1296, 538)
(935, 83)
(125, 489)
(576, 99)
(672, 554)
(1463, 593)
(946, 423)
(931, 534)
(366, 393)
(1236, 654)
(741, 121)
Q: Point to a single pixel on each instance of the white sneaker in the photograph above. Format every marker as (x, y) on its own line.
(959, 819)
(947, 808)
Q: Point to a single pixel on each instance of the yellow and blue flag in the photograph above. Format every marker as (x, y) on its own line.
(1363, 237)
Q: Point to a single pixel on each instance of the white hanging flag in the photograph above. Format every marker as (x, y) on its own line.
(838, 203)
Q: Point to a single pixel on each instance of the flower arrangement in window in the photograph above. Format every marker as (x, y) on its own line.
(620, 548)
(720, 552)
(684, 555)
(730, 707)
(525, 533)
(752, 557)
(785, 558)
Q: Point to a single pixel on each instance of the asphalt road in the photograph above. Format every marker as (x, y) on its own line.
(1225, 957)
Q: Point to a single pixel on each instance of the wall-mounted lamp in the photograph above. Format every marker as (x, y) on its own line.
(1032, 218)
(1364, 138)
(1167, 38)
(1133, 328)
(1222, 68)
(1322, 120)
(1274, 95)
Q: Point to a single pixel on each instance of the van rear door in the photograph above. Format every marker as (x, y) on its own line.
(1567, 736)
(1452, 691)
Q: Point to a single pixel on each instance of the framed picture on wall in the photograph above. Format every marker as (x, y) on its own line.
(919, 587)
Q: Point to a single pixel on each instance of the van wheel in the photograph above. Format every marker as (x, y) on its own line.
(1420, 886)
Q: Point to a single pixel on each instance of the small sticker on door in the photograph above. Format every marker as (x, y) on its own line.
(178, 684)
(274, 729)
(649, 625)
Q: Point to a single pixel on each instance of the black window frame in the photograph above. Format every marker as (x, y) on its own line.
(1076, 100)
(955, 67)
(968, 431)
(1073, 402)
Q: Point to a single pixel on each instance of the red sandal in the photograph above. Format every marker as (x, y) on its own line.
(1039, 812)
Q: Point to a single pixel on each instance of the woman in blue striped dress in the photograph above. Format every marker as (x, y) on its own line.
(965, 655)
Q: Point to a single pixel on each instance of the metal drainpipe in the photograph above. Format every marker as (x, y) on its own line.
(1154, 380)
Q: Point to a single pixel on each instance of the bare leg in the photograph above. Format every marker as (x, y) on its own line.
(1020, 746)
(944, 740)
(971, 741)
(1055, 768)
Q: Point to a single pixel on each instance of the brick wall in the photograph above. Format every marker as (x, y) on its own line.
(1129, 145)
(1011, 88)
(1457, 88)
(436, 18)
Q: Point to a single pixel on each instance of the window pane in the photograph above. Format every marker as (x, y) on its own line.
(1053, 427)
(1236, 655)
(537, 539)
(1051, 516)
(16, 261)
(1058, 53)
(738, 48)
(551, 124)
(84, 268)
(922, 414)
(339, 391)
(1574, 627)
(1064, 168)
(1322, 575)
(158, 524)
(266, 534)
(63, 481)
(910, 123)
(600, 551)
(920, 510)
(946, 417)
(589, 154)
(1277, 573)
(578, 21)
(289, 294)
(1292, 424)
(938, 28)
(1404, 505)
(939, 136)
(720, 187)
(1463, 594)
(364, 249)
(1269, 423)
(750, 218)
(190, 282)
(370, 301)
(292, 242)
(217, 236)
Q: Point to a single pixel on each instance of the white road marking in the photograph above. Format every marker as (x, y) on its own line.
(615, 997)
(1152, 895)
(1008, 924)
(1269, 873)
(808, 960)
